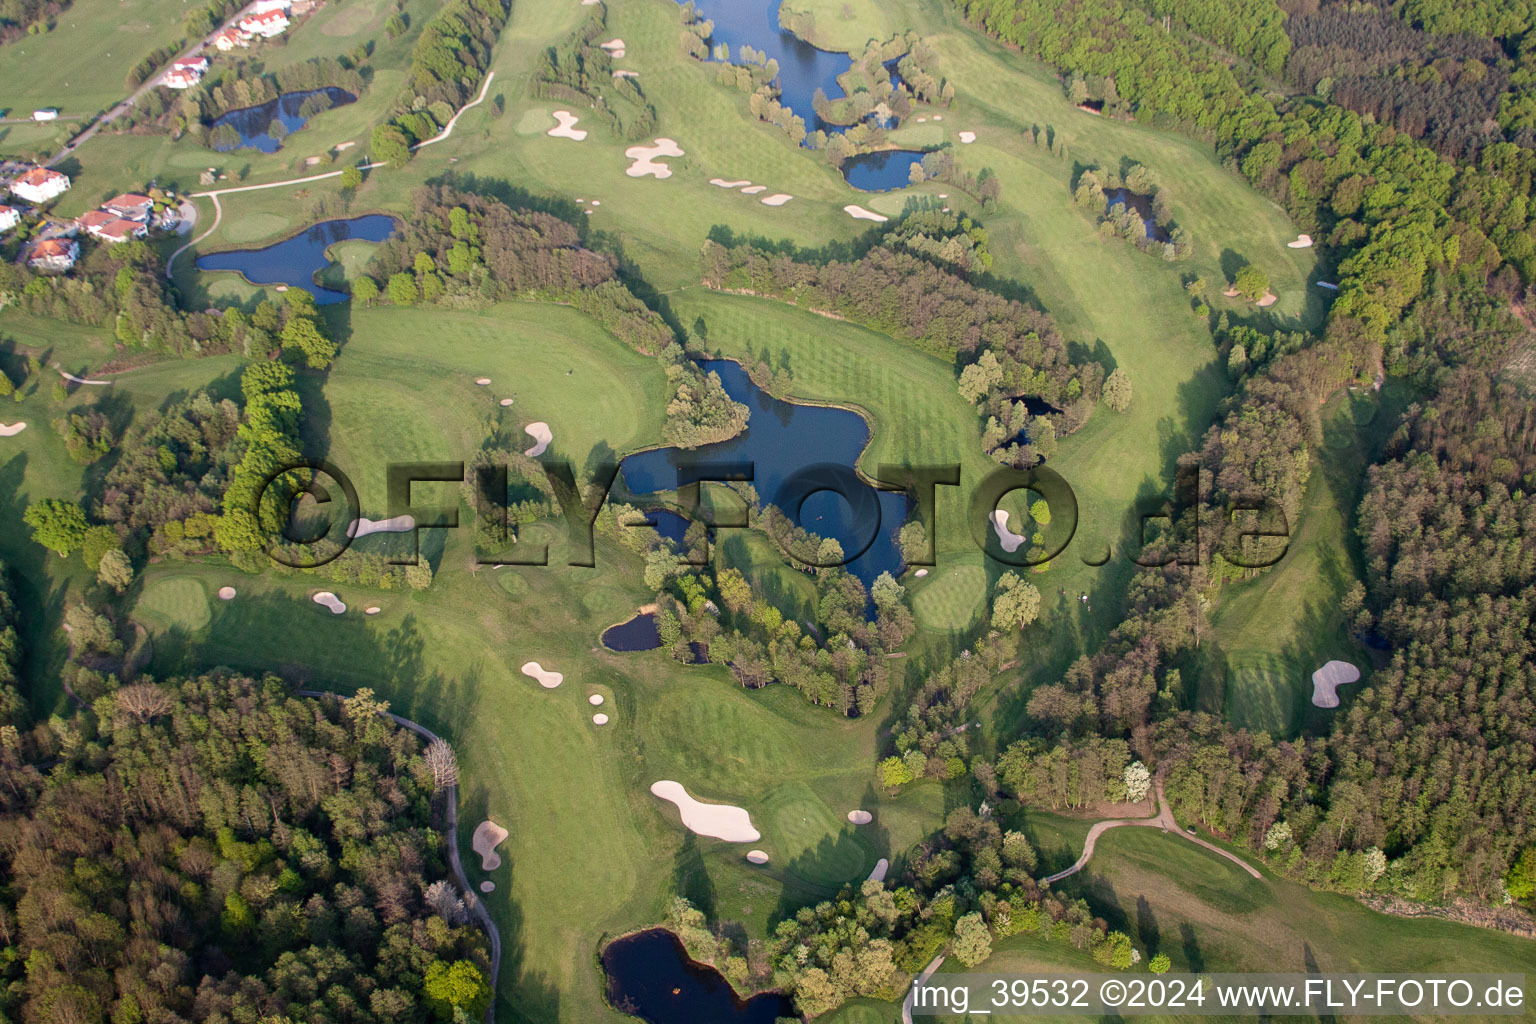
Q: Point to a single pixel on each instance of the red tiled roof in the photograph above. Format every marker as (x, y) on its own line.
(95, 219)
(129, 200)
(52, 247)
(262, 19)
(38, 176)
(119, 228)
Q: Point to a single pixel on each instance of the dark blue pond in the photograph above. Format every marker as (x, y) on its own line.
(295, 261)
(782, 441)
(255, 123)
(638, 634)
(669, 524)
(881, 171)
(651, 977)
(1142, 205)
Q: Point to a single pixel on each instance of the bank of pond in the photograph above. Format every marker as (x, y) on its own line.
(636, 634)
(651, 977)
(295, 261)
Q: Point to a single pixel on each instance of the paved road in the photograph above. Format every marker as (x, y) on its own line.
(477, 908)
(126, 104)
(213, 194)
(1164, 820)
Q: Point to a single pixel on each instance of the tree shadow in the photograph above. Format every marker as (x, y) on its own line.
(1194, 959)
(1147, 930)
(690, 878)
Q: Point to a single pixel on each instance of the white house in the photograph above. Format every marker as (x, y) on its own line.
(130, 206)
(39, 185)
(272, 23)
(268, 6)
(46, 114)
(185, 73)
(9, 218)
(55, 254)
(229, 39)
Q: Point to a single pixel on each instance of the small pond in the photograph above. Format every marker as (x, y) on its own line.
(638, 634)
(882, 170)
(670, 525)
(255, 123)
(651, 977)
(295, 261)
(1142, 205)
(782, 440)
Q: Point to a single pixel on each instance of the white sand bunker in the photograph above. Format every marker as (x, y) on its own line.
(859, 213)
(539, 432)
(921, 573)
(615, 47)
(226, 593)
(1269, 299)
(644, 158)
(757, 857)
(12, 430)
(488, 835)
(752, 190)
(860, 817)
(547, 679)
(506, 402)
(1302, 242)
(1327, 680)
(1009, 540)
(881, 867)
(363, 527)
(938, 117)
(967, 137)
(777, 199)
(722, 183)
(626, 74)
(595, 700)
(331, 601)
(487, 886)
(722, 821)
(599, 719)
(484, 382)
(373, 610)
(567, 129)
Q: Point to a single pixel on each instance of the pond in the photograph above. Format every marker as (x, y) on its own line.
(782, 440)
(802, 67)
(295, 261)
(881, 170)
(254, 124)
(669, 524)
(1142, 205)
(638, 634)
(651, 977)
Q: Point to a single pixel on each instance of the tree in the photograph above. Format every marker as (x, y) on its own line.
(389, 145)
(980, 377)
(1251, 283)
(1159, 964)
(894, 772)
(419, 575)
(973, 941)
(1017, 852)
(97, 542)
(303, 334)
(365, 289)
(115, 570)
(442, 764)
(402, 289)
(1520, 883)
(456, 985)
(56, 524)
(1117, 390)
(352, 178)
(1137, 781)
(1016, 604)
(144, 701)
(913, 539)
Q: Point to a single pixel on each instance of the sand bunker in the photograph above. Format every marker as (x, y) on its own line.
(373, 610)
(12, 430)
(331, 601)
(364, 527)
(567, 129)
(722, 821)
(1302, 242)
(599, 719)
(777, 199)
(938, 117)
(487, 886)
(597, 202)
(539, 432)
(506, 402)
(943, 195)
(547, 679)
(484, 382)
(626, 74)
(757, 857)
(859, 213)
(615, 47)
(1009, 540)
(967, 137)
(644, 158)
(226, 593)
(722, 183)
(595, 700)
(881, 867)
(752, 190)
(488, 835)
(1269, 299)
(860, 817)
(1327, 680)
(1230, 293)
(921, 573)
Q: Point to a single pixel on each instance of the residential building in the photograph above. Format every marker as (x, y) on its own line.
(9, 218)
(108, 227)
(130, 206)
(185, 73)
(46, 114)
(54, 254)
(229, 39)
(268, 6)
(40, 185)
(272, 23)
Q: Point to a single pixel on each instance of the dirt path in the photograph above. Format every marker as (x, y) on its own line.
(922, 979)
(477, 908)
(1164, 820)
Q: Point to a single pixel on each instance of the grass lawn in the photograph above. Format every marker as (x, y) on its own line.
(948, 600)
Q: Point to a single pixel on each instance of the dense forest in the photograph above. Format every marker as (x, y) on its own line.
(217, 849)
(18, 17)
